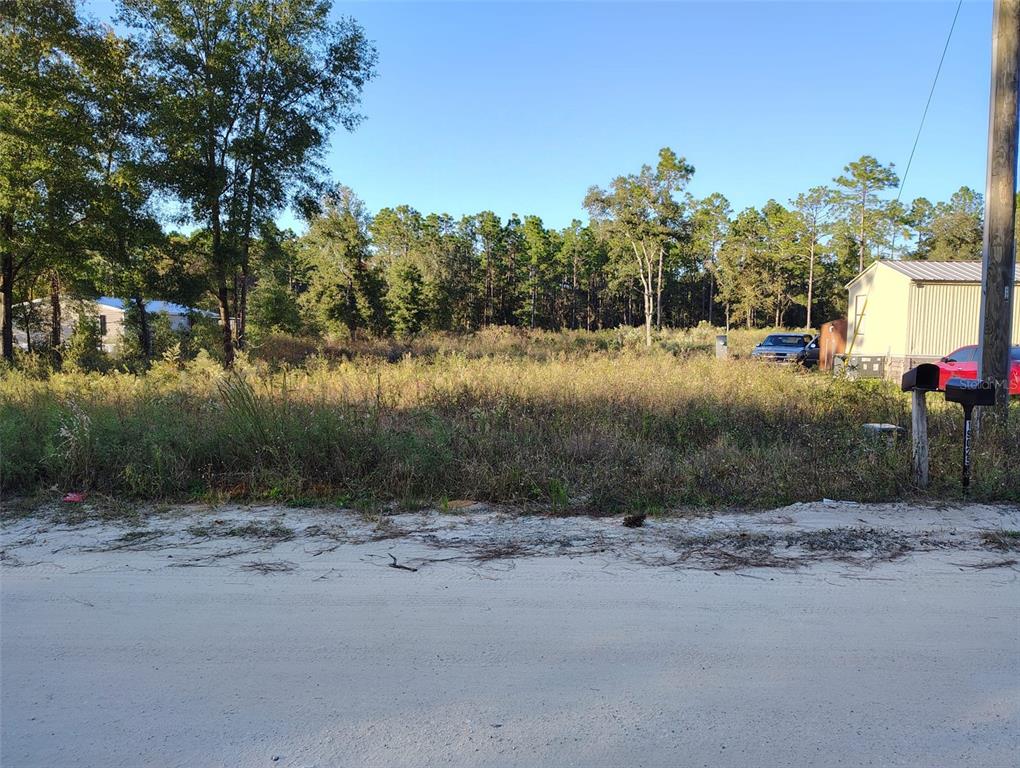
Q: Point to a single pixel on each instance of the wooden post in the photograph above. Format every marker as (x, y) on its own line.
(999, 256)
(919, 436)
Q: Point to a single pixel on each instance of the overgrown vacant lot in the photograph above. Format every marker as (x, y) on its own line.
(573, 425)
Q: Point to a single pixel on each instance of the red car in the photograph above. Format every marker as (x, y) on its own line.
(963, 363)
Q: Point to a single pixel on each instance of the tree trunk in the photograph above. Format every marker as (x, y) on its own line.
(55, 319)
(222, 293)
(487, 314)
(241, 297)
(573, 295)
(649, 304)
(649, 312)
(810, 283)
(860, 255)
(658, 297)
(144, 338)
(711, 296)
(224, 304)
(534, 295)
(28, 328)
(7, 294)
(241, 301)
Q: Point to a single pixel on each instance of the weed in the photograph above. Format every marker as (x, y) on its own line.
(253, 530)
(1006, 540)
(267, 567)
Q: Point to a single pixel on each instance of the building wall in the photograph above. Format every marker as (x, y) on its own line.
(878, 313)
(945, 316)
(114, 325)
(115, 328)
(110, 317)
(905, 322)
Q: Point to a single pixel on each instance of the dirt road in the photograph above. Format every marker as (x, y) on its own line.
(200, 640)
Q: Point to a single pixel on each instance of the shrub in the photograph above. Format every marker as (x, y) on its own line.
(83, 350)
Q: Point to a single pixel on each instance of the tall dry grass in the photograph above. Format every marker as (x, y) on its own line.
(591, 430)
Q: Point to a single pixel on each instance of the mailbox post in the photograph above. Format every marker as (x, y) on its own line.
(969, 393)
(919, 382)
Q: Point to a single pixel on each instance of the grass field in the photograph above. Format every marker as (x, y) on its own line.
(572, 422)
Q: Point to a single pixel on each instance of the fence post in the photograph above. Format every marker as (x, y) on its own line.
(919, 436)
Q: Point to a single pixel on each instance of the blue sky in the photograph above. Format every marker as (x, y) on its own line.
(521, 107)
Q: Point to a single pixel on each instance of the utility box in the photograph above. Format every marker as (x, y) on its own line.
(722, 349)
(831, 342)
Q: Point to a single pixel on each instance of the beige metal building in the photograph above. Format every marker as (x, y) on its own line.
(902, 313)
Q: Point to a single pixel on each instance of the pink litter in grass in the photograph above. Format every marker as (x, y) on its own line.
(74, 498)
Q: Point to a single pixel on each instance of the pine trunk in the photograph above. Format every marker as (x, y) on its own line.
(242, 308)
(223, 298)
(658, 298)
(7, 295)
(144, 337)
(711, 295)
(55, 318)
(810, 284)
(860, 255)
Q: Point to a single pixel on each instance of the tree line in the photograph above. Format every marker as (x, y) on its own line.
(215, 114)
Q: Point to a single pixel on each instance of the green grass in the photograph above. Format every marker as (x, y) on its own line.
(548, 419)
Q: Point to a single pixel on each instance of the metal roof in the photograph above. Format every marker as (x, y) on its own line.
(941, 271)
(151, 306)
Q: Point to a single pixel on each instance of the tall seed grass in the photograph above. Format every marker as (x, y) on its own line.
(596, 432)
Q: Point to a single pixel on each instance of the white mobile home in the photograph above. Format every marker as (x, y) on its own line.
(901, 313)
(110, 314)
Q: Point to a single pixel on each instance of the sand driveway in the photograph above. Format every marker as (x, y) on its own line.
(816, 635)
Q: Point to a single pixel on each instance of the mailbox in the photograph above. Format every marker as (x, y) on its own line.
(924, 377)
(970, 392)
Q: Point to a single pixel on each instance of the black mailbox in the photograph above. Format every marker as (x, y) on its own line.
(924, 377)
(970, 392)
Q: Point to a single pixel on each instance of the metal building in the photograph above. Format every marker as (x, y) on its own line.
(901, 313)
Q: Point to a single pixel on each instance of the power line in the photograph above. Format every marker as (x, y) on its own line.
(931, 93)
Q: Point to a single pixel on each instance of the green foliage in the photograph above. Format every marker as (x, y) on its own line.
(234, 142)
(345, 290)
(642, 219)
(405, 299)
(865, 213)
(948, 231)
(274, 308)
(225, 108)
(163, 340)
(83, 350)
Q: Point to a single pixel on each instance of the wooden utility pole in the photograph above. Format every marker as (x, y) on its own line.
(999, 253)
